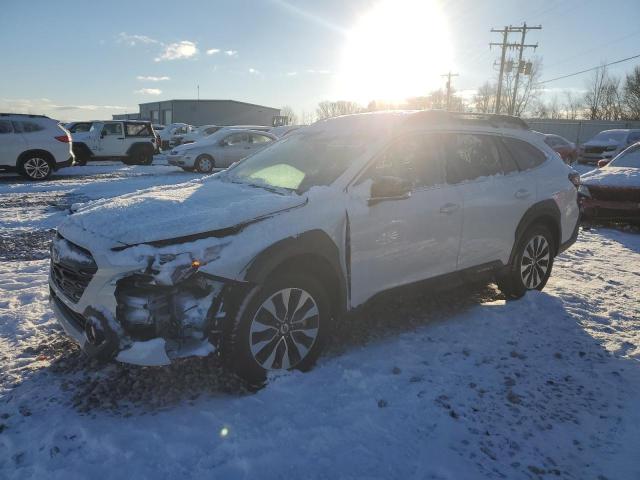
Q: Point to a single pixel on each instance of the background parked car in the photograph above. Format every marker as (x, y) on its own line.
(219, 150)
(199, 133)
(566, 149)
(607, 144)
(33, 145)
(78, 127)
(613, 192)
(132, 141)
(172, 134)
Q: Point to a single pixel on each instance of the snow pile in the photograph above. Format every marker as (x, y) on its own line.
(613, 177)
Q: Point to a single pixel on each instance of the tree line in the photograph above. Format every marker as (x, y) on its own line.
(605, 97)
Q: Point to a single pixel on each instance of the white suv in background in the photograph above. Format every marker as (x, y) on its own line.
(33, 145)
(257, 261)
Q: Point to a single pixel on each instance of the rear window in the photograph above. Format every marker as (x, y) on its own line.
(26, 126)
(470, 156)
(137, 130)
(526, 155)
(5, 127)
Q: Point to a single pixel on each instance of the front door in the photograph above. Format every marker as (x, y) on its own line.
(111, 142)
(399, 241)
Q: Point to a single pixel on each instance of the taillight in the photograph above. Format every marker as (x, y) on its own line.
(63, 138)
(574, 177)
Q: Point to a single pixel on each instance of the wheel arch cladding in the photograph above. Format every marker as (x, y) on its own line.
(311, 252)
(81, 149)
(135, 147)
(544, 213)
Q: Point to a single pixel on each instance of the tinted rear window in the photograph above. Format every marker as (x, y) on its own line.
(470, 156)
(138, 130)
(526, 155)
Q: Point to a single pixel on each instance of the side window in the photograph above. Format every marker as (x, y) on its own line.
(5, 127)
(28, 127)
(470, 156)
(236, 138)
(211, 130)
(526, 155)
(112, 129)
(415, 158)
(138, 130)
(259, 138)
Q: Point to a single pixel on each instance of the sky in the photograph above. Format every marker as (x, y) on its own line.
(77, 60)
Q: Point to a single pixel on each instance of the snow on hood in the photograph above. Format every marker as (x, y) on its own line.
(613, 177)
(167, 212)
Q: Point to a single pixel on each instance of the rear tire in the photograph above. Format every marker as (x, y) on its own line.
(532, 264)
(139, 156)
(36, 167)
(204, 164)
(282, 325)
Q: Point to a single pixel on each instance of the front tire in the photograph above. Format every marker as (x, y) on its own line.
(281, 325)
(532, 265)
(36, 167)
(204, 164)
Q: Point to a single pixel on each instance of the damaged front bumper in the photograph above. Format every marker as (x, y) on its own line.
(134, 316)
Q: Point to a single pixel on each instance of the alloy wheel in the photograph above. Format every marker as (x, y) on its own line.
(535, 262)
(37, 168)
(284, 329)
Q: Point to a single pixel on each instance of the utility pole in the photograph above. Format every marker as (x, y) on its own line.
(505, 33)
(449, 75)
(521, 47)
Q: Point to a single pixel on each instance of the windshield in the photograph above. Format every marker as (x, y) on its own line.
(629, 158)
(610, 136)
(300, 161)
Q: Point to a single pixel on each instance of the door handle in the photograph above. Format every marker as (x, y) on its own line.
(522, 193)
(120, 138)
(449, 208)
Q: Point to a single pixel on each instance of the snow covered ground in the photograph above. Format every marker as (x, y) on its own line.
(443, 386)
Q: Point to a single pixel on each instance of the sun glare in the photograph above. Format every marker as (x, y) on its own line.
(398, 49)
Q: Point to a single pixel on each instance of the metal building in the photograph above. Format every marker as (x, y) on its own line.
(208, 112)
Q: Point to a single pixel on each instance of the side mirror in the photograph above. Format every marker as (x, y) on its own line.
(103, 134)
(223, 143)
(389, 188)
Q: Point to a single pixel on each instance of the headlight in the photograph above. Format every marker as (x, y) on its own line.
(173, 268)
(584, 191)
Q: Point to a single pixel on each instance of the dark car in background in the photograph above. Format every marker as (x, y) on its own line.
(566, 149)
(613, 191)
(607, 144)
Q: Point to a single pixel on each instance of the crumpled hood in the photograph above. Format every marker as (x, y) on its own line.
(625, 177)
(168, 212)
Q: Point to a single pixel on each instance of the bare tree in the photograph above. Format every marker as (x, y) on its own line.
(573, 105)
(287, 111)
(554, 108)
(306, 118)
(527, 92)
(327, 109)
(611, 106)
(595, 92)
(485, 98)
(632, 94)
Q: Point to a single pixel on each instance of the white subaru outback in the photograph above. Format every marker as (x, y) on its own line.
(33, 145)
(255, 262)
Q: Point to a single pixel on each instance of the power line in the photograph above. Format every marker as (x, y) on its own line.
(588, 70)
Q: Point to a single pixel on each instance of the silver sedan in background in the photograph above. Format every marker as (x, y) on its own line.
(219, 150)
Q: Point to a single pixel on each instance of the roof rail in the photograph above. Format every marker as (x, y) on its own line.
(2, 114)
(491, 119)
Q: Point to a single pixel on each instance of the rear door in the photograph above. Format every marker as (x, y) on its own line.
(474, 167)
(400, 241)
(12, 144)
(258, 142)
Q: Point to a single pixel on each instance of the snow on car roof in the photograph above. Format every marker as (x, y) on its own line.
(613, 177)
